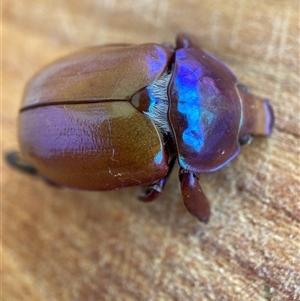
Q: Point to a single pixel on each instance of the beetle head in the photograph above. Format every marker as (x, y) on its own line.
(257, 118)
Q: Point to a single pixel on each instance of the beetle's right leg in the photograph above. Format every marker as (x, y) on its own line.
(156, 188)
(194, 198)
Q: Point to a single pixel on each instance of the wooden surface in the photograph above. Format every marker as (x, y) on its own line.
(61, 244)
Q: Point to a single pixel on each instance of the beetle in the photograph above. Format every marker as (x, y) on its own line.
(120, 115)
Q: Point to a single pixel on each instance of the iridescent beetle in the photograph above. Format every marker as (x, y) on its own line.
(120, 115)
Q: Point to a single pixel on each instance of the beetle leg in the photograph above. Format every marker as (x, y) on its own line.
(153, 191)
(156, 188)
(16, 160)
(194, 198)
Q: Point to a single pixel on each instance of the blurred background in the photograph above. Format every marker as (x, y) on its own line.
(61, 244)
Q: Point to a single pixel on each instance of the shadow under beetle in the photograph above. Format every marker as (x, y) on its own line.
(121, 115)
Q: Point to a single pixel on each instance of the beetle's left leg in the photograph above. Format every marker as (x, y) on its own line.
(16, 160)
(156, 188)
(194, 198)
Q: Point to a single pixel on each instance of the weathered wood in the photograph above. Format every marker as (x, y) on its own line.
(61, 244)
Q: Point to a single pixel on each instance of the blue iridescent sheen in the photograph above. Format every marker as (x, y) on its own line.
(189, 104)
(155, 61)
(153, 100)
(204, 111)
(158, 158)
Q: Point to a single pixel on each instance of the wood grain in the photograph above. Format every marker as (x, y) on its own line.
(60, 244)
